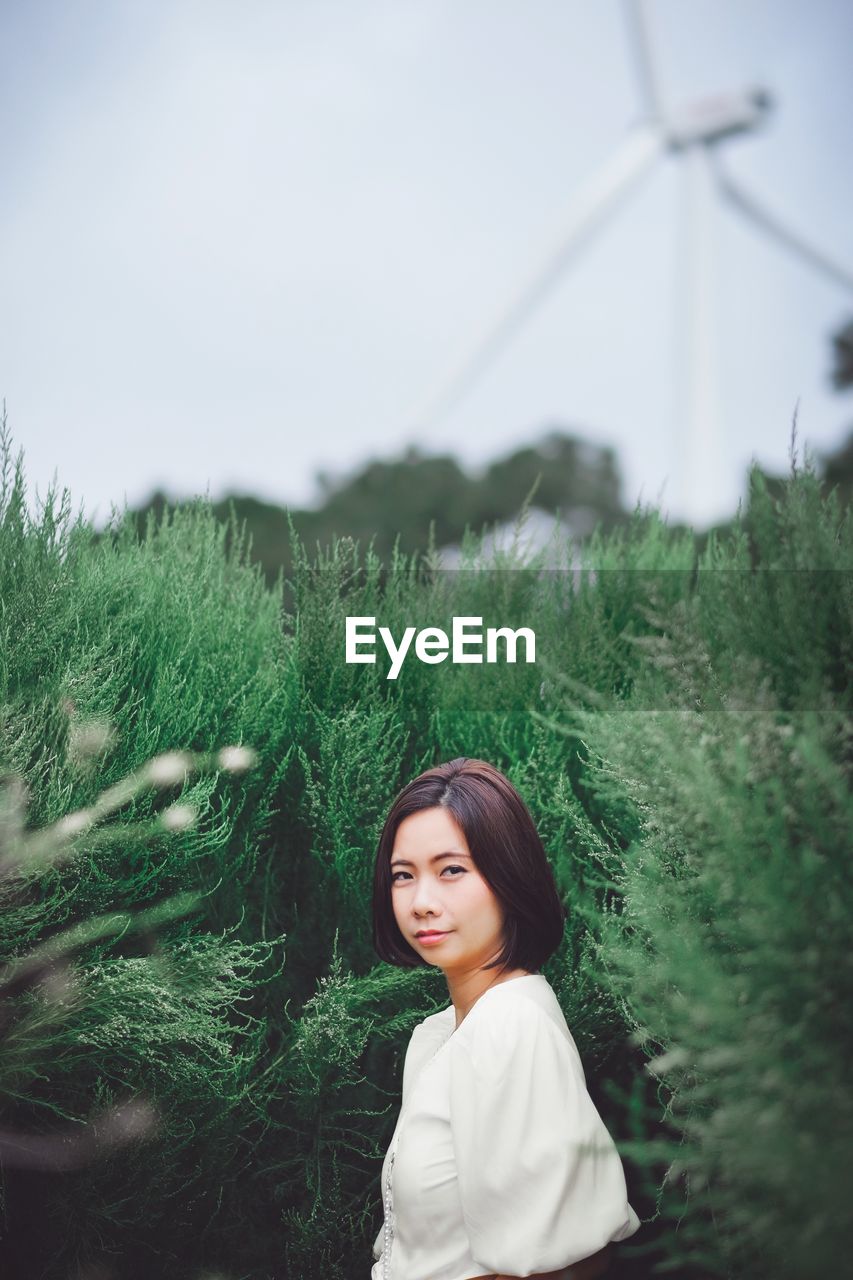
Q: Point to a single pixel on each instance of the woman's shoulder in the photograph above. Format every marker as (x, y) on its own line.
(436, 1023)
(426, 1039)
(519, 1001)
(431, 1031)
(511, 1017)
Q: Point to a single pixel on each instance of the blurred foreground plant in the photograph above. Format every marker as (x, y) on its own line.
(722, 785)
(40, 990)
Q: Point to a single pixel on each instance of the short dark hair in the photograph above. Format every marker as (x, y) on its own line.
(507, 851)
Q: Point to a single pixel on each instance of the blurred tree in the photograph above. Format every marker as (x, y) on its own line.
(399, 496)
(578, 479)
(386, 499)
(842, 342)
(838, 466)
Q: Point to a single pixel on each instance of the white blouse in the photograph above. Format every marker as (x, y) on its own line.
(500, 1162)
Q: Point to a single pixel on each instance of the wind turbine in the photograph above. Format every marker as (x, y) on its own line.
(694, 134)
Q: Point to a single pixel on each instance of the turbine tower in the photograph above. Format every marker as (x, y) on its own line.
(694, 134)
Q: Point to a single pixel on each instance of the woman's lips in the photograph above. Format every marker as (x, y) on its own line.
(429, 938)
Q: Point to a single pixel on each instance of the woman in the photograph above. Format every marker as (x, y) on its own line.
(500, 1165)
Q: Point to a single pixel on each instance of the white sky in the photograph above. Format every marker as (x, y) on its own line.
(242, 241)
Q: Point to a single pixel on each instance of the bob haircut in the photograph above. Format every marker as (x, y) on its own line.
(506, 849)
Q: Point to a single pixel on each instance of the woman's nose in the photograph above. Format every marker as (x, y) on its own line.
(425, 895)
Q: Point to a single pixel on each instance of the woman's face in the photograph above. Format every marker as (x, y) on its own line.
(435, 885)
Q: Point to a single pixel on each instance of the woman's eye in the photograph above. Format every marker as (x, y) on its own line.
(405, 873)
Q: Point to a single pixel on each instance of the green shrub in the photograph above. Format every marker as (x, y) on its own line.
(683, 742)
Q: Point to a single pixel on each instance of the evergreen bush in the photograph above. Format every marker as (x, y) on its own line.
(683, 742)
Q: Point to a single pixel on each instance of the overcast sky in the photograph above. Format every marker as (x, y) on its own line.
(240, 242)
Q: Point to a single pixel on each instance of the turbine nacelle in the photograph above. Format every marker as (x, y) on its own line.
(708, 120)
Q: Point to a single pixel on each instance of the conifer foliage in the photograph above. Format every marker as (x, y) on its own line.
(200, 1053)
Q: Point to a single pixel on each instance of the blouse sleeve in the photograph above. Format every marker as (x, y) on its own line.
(540, 1179)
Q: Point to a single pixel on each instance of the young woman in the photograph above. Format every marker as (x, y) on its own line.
(500, 1165)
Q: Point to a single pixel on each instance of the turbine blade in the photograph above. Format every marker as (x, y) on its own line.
(597, 199)
(645, 57)
(750, 208)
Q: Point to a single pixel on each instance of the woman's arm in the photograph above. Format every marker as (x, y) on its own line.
(587, 1269)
